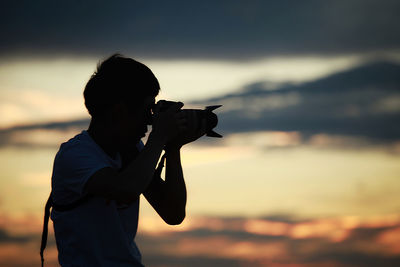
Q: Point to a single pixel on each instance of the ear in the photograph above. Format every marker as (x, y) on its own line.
(118, 112)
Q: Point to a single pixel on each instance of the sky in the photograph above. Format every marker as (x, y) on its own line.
(307, 173)
(229, 30)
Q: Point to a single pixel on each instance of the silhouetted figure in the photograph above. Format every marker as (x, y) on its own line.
(99, 174)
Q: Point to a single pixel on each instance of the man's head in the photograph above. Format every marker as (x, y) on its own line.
(120, 93)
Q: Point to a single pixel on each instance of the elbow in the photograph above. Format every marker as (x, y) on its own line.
(125, 196)
(175, 219)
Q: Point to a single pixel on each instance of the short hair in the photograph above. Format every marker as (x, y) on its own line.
(117, 79)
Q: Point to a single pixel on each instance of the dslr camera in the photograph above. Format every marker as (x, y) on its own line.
(206, 113)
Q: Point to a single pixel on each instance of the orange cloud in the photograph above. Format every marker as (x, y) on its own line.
(391, 241)
(265, 227)
(342, 241)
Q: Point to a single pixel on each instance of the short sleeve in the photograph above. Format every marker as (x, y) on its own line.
(73, 167)
(140, 145)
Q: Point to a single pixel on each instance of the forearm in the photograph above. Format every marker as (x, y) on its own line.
(175, 188)
(138, 174)
(168, 197)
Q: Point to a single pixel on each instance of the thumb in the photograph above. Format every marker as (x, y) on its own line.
(176, 107)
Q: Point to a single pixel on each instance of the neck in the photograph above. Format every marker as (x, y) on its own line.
(100, 133)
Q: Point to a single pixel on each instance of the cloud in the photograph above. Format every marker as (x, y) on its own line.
(224, 241)
(261, 242)
(206, 29)
(359, 103)
(349, 109)
(21, 106)
(5, 237)
(158, 260)
(41, 135)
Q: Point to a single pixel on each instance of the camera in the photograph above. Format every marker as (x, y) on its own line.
(207, 114)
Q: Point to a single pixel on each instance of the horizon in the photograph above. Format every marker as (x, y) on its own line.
(308, 170)
(270, 84)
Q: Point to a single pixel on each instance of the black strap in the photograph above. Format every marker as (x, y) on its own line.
(50, 204)
(160, 166)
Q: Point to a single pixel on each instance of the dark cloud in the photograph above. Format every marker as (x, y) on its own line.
(158, 260)
(352, 258)
(207, 29)
(23, 133)
(281, 217)
(62, 126)
(361, 102)
(5, 237)
(359, 247)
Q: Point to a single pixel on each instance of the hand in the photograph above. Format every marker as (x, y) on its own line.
(169, 123)
(190, 134)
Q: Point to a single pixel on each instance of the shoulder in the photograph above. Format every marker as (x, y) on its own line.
(76, 161)
(77, 154)
(76, 146)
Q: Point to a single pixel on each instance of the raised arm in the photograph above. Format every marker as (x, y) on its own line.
(168, 197)
(127, 185)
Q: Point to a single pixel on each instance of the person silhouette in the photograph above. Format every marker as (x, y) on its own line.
(99, 175)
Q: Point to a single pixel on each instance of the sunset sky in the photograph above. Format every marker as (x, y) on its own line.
(308, 170)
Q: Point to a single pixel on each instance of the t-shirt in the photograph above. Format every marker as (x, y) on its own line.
(97, 232)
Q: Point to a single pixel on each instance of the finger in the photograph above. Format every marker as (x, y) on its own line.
(156, 108)
(175, 107)
(182, 121)
(182, 128)
(180, 114)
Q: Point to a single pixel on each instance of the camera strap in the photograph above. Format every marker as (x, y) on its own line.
(160, 166)
(50, 204)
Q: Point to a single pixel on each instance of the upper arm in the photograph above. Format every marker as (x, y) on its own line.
(73, 167)
(99, 183)
(104, 183)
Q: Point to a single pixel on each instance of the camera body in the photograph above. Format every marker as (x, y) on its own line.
(207, 114)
